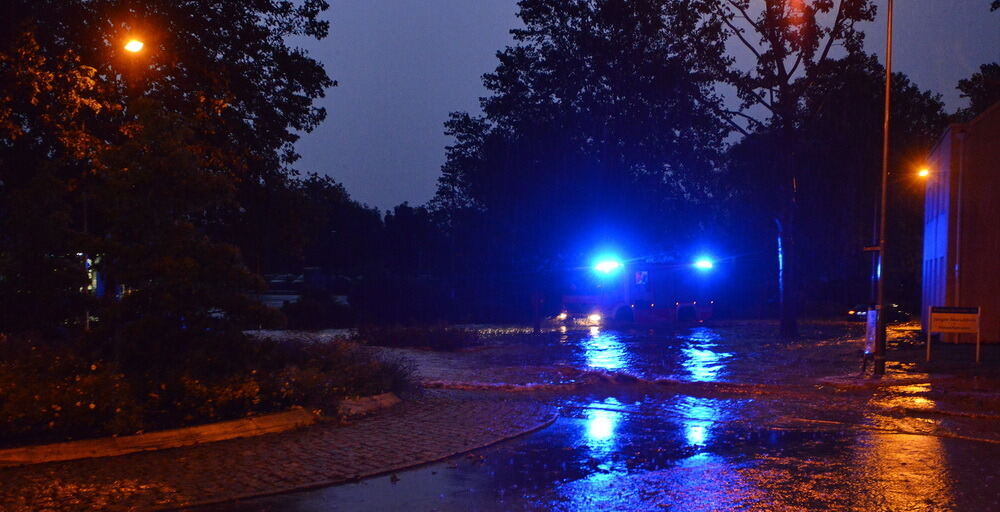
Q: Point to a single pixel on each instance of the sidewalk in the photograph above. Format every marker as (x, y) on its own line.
(437, 425)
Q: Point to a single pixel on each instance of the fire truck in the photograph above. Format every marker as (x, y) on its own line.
(639, 292)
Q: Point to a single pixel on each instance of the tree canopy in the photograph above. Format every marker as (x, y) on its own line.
(840, 156)
(789, 43)
(982, 89)
(602, 119)
(136, 161)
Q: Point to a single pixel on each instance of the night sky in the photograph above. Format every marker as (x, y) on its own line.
(403, 65)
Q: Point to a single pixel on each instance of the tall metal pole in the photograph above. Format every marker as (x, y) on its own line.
(879, 367)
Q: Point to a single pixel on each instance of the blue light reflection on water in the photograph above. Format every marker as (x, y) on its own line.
(600, 488)
(601, 426)
(698, 416)
(700, 358)
(603, 350)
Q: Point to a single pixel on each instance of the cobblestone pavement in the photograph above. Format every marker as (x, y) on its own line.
(432, 427)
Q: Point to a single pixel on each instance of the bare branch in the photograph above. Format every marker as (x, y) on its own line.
(737, 127)
(834, 31)
(798, 60)
(778, 47)
(838, 22)
(748, 117)
(746, 16)
(761, 100)
(739, 34)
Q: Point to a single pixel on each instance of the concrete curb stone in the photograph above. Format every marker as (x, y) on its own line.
(188, 436)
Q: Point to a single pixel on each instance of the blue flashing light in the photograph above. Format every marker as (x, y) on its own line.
(607, 266)
(704, 264)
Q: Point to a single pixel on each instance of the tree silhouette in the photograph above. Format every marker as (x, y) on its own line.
(136, 161)
(982, 89)
(840, 150)
(787, 40)
(602, 123)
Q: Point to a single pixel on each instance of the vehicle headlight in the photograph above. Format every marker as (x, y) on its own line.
(594, 317)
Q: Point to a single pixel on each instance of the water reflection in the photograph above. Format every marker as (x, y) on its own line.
(700, 358)
(603, 350)
(909, 472)
(601, 424)
(699, 414)
(897, 464)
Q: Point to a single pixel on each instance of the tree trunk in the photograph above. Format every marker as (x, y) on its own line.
(788, 229)
(787, 278)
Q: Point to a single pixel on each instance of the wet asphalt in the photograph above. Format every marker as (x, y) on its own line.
(707, 418)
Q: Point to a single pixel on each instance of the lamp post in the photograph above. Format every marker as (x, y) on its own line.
(879, 359)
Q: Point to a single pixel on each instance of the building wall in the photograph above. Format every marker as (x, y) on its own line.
(978, 245)
(961, 262)
(937, 201)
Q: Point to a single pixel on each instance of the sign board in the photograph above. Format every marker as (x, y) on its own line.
(955, 320)
(642, 277)
(948, 319)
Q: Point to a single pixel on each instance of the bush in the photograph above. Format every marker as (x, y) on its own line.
(47, 390)
(434, 338)
(58, 391)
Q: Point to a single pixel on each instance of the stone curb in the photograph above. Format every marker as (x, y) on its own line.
(382, 471)
(113, 446)
(188, 436)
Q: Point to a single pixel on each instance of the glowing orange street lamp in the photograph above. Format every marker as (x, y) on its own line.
(134, 46)
(923, 173)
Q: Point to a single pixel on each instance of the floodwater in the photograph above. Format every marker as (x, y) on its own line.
(698, 419)
(737, 353)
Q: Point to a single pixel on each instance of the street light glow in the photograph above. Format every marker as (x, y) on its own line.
(134, 46)
(704, 264)
(923, 173)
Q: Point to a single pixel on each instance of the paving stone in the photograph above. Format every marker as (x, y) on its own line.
(438, 424)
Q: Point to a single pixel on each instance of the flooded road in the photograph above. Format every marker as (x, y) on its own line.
(739, 353)
(701, 419)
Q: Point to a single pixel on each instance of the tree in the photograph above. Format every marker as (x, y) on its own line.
(787, 40)
(136, 160)
(602, 124)
(982, 89)
(44, 149)
(842, 151)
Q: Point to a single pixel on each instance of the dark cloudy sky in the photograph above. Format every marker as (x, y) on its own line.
(403, 65)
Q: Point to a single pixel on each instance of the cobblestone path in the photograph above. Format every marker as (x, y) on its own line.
(432, 427)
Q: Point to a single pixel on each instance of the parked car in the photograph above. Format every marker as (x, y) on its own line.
(895, 314)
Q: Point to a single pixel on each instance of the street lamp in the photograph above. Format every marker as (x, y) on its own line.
(134, 46)
(924, 173)
(878, 367)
